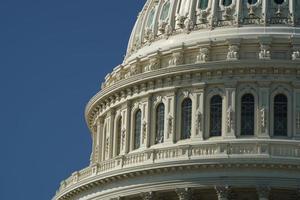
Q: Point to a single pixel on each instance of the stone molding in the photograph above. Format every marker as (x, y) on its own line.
(288, 152)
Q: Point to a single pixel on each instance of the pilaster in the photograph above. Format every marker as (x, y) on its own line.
(198, 115)
(184, 193)
(264, 11)
(223, 192)
(264, 111)
(148, 122)
(230, 111)
(169, 136)
(214, 14)
(110, 133)
(148, 196)
(296, 113)
(263, 193)
(125, 138)
(97, 140)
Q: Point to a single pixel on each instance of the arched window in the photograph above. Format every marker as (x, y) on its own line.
(160, 123)
(203, 4)
(165, 11)
(247, 114)
(226, 2)
(186, 119)
(151, 18)
(118, 136)
(280, 115)
(216, 116)
(137, 129)
(251, 2)
(279, 1)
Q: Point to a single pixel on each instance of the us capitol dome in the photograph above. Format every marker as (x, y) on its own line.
(205, 106)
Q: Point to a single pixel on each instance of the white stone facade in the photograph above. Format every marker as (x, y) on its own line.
(159, 130)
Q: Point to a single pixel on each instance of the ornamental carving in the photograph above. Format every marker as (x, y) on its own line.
(263, 192)
(176, 59)
(202, 16)
(180, 19)
(264, 53)
(135, 69)
(199, 121)
(158, 99)
(184, 193)
(188, 25)
(223, 192)
(280, 13)
(107, 147)
(162, 26)
(230, 119)
(144, 131)
(170, 125)
(254, 13)
(203, 55)
(186, 93)
(149, 35)
(123, 138)
(296, 55)
(154, 63)
(298, 121)
(263, 119)
(148, 196)
(233, 52)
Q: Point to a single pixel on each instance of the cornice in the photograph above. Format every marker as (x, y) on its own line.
(99, 181)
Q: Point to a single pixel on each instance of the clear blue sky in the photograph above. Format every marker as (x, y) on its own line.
(53, 57)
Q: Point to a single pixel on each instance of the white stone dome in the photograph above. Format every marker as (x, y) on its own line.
(167, 24)
(206, 105)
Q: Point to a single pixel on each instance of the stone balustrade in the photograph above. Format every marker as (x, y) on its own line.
(265, 149)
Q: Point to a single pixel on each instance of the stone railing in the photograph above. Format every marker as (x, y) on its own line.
(279, 149)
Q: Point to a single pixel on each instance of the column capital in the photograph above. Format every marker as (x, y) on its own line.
(263, 192)
(148, 195)
(223, 192)
(184, 193)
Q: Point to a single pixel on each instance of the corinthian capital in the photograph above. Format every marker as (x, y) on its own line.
(184, 193)
(148, 195)
(223, 192)
(263, 192)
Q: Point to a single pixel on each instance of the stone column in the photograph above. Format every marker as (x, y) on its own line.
(184, 193)
(148, 113)
(263, 193)
(97, 141)
(125, 139)
(169, 136)
(264, 111)
(198, 115)
(145, 122)
(111, 138)
(296, 110)
(223, 192)
(230, 111)
(265, 11)
(148, 196)
(214, 13)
